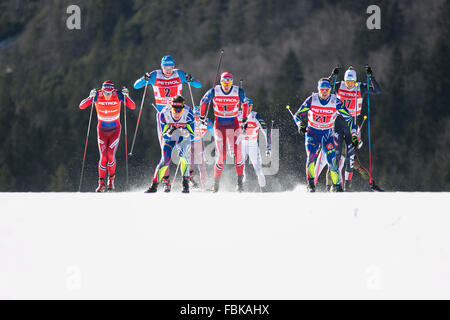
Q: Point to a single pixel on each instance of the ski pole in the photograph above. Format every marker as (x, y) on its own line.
(270, 135)
(215, 80)
(244, 131)
(335, 76)
(176, 171)
(85, 146)
(192, 99)
(356, 105)
(362, 124)
(139, 118)
(368, 128)
(126, 145)
(289, 109)
(154, 107)
(334, 83)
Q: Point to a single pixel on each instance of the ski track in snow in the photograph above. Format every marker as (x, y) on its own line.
(291, 245)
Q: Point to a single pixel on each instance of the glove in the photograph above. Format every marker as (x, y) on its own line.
(335, 71)
(302, 128)
(93, 93)
(188, 77)
(368, 70)
(203, 121)
(171, 130)
(147, 76)
(125, 91)
(244, 124)
(355, 141)
(268, 153)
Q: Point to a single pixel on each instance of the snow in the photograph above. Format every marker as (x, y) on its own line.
(290, 245)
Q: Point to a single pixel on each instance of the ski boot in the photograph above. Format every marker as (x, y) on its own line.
(374, 187)
(348, 186)
(111, 183)
(185, 185)
(193, 183)
(310, 187)
(153, 188)
(328, 187)
(166, 184)
(215, 188)
(240, 184)
(337, 188)
(101, 185)
(263, 189)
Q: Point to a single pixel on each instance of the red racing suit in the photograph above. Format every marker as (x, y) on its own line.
(226, 124)
(108, 127)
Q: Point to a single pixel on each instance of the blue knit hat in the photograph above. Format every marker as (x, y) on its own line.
(167, 61)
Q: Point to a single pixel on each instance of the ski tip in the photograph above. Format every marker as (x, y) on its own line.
(288, 107)
(365, 117)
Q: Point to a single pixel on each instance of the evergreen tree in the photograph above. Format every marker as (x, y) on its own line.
(439, 67)
(288, 81)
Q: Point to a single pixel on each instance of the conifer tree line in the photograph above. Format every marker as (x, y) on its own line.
(280, 48)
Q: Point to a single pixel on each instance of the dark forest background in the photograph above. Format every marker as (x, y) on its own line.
(280, 48)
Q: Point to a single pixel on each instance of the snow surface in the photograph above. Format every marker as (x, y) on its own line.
(290, 245)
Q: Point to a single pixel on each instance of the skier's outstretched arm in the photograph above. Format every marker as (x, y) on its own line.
(300, 115)
(88, 101)
(124, 97)
(188, 78)
(245, 102)
(141, 82)
(204, 102)
(374, 87)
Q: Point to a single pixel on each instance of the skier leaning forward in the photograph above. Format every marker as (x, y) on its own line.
(250, 148)
(177, 129)
(107, 104)
(322, 109)
(226, 99)
(167, 83)
(351, 93)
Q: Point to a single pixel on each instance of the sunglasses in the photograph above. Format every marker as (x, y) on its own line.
(226, 81)
(107, 90)
(177, 109)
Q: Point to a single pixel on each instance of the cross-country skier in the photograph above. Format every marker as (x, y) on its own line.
(107, 104)
(177, 129)
(250, 148)
(351, 93)
(226, 99)
(167, 83)
(321, 109)
(197, 149)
